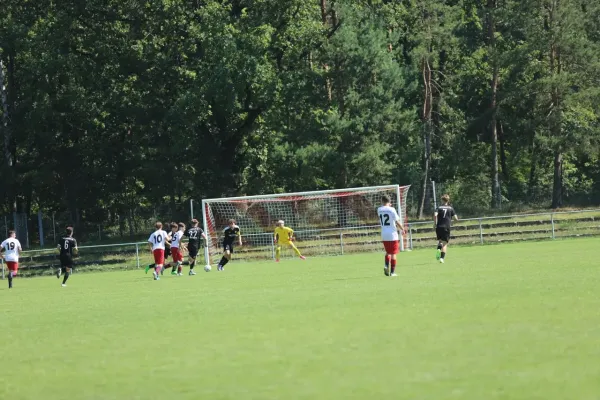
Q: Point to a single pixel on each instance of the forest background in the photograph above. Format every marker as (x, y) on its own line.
(115, 112)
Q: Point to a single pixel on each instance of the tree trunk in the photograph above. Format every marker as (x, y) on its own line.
(8, 151)
(503, 162)
(555, 119)
(324, 19)
(496, 195)
(557, 190)
(532, 170)
(5, 127)
(427, 132)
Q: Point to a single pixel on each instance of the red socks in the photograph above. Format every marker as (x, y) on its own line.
(393, 266)
(387, 260)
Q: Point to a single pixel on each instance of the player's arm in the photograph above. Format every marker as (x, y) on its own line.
(291, 235)
(204, 237)
(454, 216)
(435, 219)
(397, 222)
(240, 238)
(2, 250)
(75, 249)
(399, 225)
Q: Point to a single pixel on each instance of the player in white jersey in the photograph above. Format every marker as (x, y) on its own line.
(10, 250)
(157, 242)
(390, 223)
(177, 248)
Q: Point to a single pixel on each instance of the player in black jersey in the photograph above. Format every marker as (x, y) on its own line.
(67, 246)
(195, 235)
(443, 217)
(229, 237)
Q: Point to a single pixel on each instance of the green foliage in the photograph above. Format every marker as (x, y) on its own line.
(118, 106)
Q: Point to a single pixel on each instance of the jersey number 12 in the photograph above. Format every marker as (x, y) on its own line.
(385, 219)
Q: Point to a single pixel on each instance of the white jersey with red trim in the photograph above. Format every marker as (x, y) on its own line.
(11, 248)
(176, 239)
(387, 219)
(158, 240)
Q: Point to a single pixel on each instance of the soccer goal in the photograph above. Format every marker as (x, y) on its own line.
(326, 222)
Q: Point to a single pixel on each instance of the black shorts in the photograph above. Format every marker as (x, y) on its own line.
(443, 234)
(167, 251)
(192, 251)
(228, 246)
(66, 261)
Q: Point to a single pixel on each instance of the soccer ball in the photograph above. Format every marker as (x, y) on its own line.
(207, 268)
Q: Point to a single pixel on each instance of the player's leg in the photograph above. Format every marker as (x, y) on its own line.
(444, 241)
(58, 272)
(192, 265)
(444, 246)
(192, 254)
(277, 252)
(226, 257)
(395, 248)
(438, 252)
(149, 267)
(67, 264)
(388, 257)
(13, 267)
(159, 260)
(180, 262)
(293, 246)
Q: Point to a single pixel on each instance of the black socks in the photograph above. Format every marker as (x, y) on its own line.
(223, 261)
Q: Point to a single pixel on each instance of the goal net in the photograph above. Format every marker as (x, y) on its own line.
(327, 222)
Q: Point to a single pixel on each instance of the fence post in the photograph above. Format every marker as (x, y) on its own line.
(552, 221)
(342, 241)
(272, 248)
(137, 254)
(480, 231)
(410, 236)
(2, 262)
(434, 195)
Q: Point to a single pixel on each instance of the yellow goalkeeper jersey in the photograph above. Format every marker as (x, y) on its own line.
(283, 235)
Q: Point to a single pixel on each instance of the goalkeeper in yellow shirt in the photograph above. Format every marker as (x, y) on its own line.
(285, 236)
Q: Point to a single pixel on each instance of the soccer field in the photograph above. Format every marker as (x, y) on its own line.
(518, 321)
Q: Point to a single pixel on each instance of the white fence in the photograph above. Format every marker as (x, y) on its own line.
(339, 241)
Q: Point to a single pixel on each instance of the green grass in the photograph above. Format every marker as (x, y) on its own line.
(516, 321)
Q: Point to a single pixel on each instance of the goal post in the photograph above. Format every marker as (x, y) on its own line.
(326, 222)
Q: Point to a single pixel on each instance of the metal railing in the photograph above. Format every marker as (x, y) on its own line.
(339, 240)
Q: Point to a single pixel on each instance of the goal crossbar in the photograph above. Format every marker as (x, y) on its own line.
(297, 194)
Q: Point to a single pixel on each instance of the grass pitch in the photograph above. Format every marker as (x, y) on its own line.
(517, 321)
